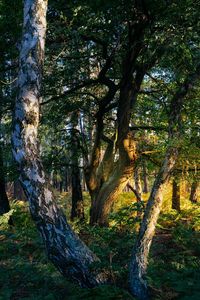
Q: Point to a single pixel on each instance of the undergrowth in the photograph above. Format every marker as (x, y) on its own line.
(174, 263)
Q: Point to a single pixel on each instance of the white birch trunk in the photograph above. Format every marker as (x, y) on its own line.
(68, 253)
(138, 266)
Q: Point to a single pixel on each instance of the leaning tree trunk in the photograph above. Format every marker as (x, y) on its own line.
(68, 253)
(138, 266)
(106, 193)
(176, 203)
(193, 192)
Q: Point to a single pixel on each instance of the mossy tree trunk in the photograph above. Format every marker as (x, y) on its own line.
(67, 252)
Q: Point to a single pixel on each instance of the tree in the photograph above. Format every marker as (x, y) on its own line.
(68, 253)
(193, 193)
(119, 89)
(146, 30)
(4, 203)
(77, 210)
(176, 194)
(141, 249)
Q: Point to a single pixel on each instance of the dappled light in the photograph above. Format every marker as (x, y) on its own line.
(99, 150)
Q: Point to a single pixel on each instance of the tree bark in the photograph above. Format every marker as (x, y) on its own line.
(176, 195)
(106, 193)
(77, 210)
(137, 181)
(67, 252)
(138, 265)
(18, 191)
(145, 178)
(193, 192)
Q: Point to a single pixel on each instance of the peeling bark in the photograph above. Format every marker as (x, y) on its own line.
(67, 252)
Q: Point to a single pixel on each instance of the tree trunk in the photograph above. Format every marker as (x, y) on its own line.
(68, 253)
(145, 178)
(118, 174)
(4, 203)
(193, 193)
(176, 204)
(18, 191)
(77, 210)
(138, 266)
(77, 197)
(137, 181)
(108, 194)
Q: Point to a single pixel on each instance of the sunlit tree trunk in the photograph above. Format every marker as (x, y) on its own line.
(68, 253)
(121, 171)
(176, 204)
(109, 193)
(193, 192)
(141, 250)
(138, 266)
(137, 181)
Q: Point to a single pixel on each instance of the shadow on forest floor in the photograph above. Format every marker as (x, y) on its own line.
(174, 264)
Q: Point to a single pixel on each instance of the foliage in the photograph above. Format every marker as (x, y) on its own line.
(128, 216)
(4, 219)
(173, 271)
(81, 36)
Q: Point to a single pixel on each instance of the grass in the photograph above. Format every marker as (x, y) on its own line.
(174, 263)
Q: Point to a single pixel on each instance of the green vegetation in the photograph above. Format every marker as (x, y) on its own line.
(174, 265)
(98, 98)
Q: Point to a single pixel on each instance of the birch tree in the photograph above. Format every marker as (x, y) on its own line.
(139, 261)
(67, 252)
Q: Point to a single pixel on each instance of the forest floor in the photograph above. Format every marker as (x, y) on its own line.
(174, 263)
